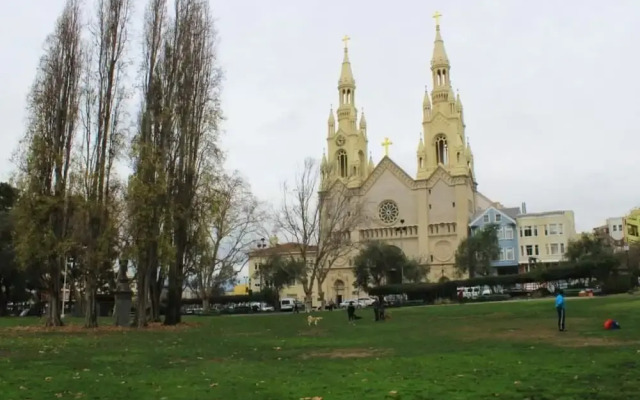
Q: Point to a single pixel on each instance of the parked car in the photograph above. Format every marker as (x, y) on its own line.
(287, 304)
(356, 303)
(263, 307)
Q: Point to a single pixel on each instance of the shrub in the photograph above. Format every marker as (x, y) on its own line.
(617, 284)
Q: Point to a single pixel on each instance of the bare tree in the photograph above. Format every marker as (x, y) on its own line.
(320, 220)
(104, 93)
(231, 223)
(191, 60)
(42, 237)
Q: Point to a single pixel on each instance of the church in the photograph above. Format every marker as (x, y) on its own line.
(426, 216)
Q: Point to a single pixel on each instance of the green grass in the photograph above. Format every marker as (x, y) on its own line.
(508, 350)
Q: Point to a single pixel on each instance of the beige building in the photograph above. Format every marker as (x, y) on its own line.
(426, 216)
(544, 237)
(338, 288)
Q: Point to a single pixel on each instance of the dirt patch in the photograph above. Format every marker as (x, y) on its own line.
(76, 328)
(546, 335)
(313, 333)
(346, 353)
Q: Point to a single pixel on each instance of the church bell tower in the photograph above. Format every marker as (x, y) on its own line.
(444, 143)
(347, 142)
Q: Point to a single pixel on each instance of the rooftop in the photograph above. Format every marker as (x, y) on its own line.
(287, 248)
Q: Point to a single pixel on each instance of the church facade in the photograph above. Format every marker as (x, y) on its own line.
(426, 216)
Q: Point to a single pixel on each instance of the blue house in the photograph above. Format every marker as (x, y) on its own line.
(505, 218)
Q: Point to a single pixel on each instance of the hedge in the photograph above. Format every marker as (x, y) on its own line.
(431, 291)
(239, 298)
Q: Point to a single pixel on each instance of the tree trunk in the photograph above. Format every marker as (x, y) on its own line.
(308, 301)
(141, 300)
(91, 308)
(205, 304)
(174, 292)
(321, 295)
(157, 284)
(4, 300)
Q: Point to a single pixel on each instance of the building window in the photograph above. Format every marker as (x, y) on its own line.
(508, 232)
(529, 249)
(521, 251)
(520, 231)
(528, 231)
(486, 218)
(388, 211)
(442, 150)
(620, 228)
(498, 217)
(615, 228)
(502, 255)
(500, 233)
(562, 248)
(510, 254)
(553, 229)
(342, 163)
(554, 249)
(537, 250)
(535, 230)
(560, 231)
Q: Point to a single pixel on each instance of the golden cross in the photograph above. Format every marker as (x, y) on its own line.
(386, 145)
(437, 16)
(346, 39)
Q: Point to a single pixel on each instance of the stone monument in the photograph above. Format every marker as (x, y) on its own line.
(122, 312)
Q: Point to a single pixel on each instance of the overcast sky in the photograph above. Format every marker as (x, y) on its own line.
(550, 89)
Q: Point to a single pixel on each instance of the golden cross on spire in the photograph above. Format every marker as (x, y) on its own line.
(386, 145)
(346, 39)
(437, 16)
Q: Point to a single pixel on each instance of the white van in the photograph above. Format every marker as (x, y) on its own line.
(287, 304)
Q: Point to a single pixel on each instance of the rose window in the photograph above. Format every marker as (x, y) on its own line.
(388, 211)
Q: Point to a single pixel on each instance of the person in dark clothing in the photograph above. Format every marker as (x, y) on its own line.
(376, 310)
(560, 310)
(351, 311)
(295, 308)
(381, 311)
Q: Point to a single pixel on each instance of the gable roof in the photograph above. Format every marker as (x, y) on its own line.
(480, 214)
(386, 164)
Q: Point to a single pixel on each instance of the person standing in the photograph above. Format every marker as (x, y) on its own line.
(351, 312)
(560, 308)
(376, 310)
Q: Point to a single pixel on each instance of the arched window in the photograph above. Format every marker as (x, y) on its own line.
(420, 162)
(362, 163)
(442, 150)
(348, 96)
(341, 157)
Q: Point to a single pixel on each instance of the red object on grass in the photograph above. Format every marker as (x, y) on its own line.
(608, 323)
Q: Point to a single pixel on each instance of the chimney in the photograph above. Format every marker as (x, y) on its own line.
(524, 207)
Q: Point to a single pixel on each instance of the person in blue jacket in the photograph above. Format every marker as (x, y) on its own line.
(560, 309)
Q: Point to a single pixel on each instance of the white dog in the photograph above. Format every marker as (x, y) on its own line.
(313, 320)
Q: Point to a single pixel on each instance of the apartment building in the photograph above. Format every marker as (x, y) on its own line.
(543, 237)
(632, 226)
(505, 219)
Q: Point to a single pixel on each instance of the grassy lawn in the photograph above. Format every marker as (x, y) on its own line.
(475, 351)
